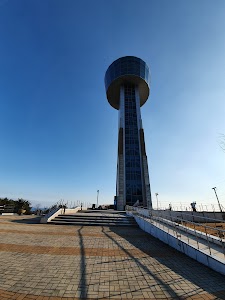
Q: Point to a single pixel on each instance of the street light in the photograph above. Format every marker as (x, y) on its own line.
(156, 194)
(97, 197)
(214, 188)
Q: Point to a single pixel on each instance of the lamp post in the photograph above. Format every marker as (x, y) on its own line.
(214, 188)
(97, 197)
(156, 194)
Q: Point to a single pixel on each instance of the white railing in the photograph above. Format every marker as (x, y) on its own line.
(187, 226)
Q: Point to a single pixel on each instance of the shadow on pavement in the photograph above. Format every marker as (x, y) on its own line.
(119, 231)
(83, 281)
(171, 260)
(27, 220)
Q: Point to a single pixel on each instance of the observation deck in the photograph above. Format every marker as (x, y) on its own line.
(128, 69)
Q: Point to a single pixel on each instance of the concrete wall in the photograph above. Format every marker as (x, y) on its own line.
(9, 214)
(215, 264)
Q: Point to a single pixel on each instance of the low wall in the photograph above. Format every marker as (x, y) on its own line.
(215, 264)
(9, 214)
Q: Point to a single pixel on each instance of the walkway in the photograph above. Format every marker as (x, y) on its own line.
(55, 262)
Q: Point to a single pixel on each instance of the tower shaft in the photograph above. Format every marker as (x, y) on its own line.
(132, 169)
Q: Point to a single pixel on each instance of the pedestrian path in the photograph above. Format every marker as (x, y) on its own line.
(57, 262)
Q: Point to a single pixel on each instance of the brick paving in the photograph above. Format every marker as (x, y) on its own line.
(55, 262)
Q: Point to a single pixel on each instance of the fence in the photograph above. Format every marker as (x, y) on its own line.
(73, 204)
(187, 207)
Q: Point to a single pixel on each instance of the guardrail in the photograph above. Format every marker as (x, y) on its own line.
(182, 225)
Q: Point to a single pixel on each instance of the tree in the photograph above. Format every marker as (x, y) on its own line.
(16, 205)
(23, 205)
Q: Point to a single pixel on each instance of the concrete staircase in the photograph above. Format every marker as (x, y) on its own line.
(95, 218)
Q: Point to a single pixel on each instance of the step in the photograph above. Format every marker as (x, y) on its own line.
(103, 211)
(87, 216)
(61, 222)
(94, 219)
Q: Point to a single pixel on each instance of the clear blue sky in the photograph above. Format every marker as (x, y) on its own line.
(58, 133)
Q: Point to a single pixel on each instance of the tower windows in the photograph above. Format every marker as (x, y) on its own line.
(132, 148)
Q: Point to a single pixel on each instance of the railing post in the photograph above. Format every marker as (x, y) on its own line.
(208, 240)
(196, 236)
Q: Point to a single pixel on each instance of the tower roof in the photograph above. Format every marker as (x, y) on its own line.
(128, 69)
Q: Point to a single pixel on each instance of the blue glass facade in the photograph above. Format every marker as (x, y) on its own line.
(128, 65)
(133, 177)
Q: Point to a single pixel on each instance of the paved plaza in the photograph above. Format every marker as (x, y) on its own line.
(56, 262)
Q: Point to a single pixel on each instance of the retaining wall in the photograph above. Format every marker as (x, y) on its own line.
(211, 262)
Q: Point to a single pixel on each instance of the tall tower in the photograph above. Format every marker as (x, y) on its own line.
(127, 87)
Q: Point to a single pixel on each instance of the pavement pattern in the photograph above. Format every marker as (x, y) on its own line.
(56, 262)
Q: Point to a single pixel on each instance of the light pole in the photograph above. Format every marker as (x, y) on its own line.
(156, 194)
(214, 188)
(97, 197)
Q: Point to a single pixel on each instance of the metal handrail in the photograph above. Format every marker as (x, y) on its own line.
(219, 233)
(191, 222)
(197, 216)
(198, 224)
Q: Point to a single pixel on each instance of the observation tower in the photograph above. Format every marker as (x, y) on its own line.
(127, 83)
